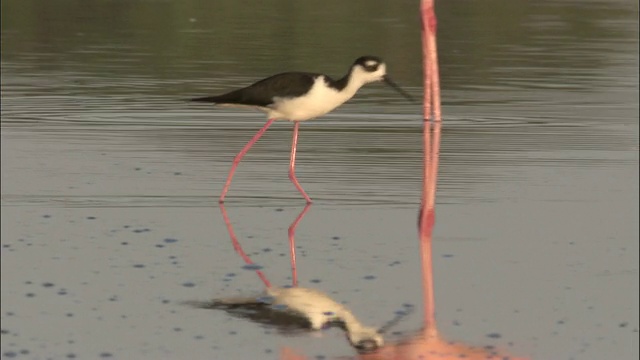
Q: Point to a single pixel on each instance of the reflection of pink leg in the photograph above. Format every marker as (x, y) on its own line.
(292, 244)
(425, 233)
(240, 155)
(292, 163)
(238, 248)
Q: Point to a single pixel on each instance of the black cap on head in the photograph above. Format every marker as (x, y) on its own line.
(368, 62)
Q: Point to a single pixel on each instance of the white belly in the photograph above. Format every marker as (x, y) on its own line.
(319, 101)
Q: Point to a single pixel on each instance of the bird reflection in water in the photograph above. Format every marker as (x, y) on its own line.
(293, 309)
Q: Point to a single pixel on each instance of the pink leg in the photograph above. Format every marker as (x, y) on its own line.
(292, 163)
(240, 155)
(238, 248)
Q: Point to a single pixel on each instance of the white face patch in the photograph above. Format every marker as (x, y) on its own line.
(370, 63)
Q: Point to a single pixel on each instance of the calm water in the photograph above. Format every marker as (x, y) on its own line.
(102, 162)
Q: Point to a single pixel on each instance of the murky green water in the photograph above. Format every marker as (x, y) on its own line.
(537, 230)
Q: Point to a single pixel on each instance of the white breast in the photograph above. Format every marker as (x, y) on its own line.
(320, 100)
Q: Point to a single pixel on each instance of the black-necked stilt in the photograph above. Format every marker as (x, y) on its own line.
(300, 96)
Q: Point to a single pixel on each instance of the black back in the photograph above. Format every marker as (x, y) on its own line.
(289, 84)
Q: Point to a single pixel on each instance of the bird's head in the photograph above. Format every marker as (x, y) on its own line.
(367, 69)
(365, 339)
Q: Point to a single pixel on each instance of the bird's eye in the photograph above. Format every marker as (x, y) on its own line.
(371, 66)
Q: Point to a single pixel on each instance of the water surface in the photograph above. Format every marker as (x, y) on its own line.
(103, 161)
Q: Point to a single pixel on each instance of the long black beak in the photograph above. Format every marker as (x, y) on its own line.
(397, 88)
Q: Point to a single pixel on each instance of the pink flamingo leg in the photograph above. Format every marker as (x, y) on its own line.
(292, 244)
(240, 155)
(431, 154)
(292, 163)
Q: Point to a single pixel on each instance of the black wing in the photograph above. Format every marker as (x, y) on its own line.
(290, 84)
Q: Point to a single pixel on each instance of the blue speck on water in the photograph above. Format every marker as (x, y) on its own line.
(139, 266)
(138, 231)
(177, 173)
(91, 217)
(315, 281)
(47, 216)
(170, 240)
(188, 284)
(407, 305)
(494, 336)
(266, 250)
(335, 238)
(10, 354)
(252, 267)
(394, 263)
(369, 277)
(159, 245)
(138, 168)
(230, 274)
(47, 284)
(279, 209)
(447, 255)
(105, 355)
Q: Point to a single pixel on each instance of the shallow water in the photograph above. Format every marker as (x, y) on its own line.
(104, 166)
